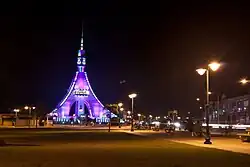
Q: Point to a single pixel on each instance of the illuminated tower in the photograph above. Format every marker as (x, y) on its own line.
(80, 96)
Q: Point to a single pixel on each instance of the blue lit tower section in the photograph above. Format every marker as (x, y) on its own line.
(80, 97)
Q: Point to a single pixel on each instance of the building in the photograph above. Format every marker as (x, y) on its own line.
(231, 110)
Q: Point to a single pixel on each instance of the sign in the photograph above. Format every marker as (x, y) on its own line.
(83, 92)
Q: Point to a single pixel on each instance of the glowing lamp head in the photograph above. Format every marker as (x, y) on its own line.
(121, 109)
(244, 81)
(133, 95)
(139, 115)
(33, 108)
(129, 112)
(120, 104)
(150, 116)
(197, 99)
(26, 107)
(214, 66)
(201, 71)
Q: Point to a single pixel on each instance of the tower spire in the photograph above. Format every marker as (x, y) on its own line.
(82, 37)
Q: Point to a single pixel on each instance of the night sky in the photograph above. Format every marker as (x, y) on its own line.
(156, 50)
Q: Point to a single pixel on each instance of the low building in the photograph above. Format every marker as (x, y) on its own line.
(231, 110)
(10, 119)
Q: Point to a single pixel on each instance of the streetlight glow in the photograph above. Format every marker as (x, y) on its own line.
(129, 112)
(244, 81)
(120, 104)
(16, 110)
(26, 107)
(198, 99)
(201, 71)
(121, 109)
(139, 115)
(133, 95)
(214, 66)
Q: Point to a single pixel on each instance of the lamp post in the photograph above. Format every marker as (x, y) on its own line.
(132, 96)
(119, 114)
(16, 111)
(244, 82)
(214, 66)
(139, 117)
(29, 108)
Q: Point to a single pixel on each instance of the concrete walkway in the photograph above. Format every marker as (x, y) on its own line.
(227, 144)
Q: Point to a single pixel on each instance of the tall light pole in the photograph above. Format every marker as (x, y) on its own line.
(139, 117)
(29, 108)
(119, 114)
(244, 82)
(214, 66)
(16, 111)
(132, 96)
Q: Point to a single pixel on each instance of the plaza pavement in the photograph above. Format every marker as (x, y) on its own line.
(232, 143)
(222, 143)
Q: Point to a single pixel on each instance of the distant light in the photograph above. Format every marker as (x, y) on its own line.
(177, 124)
(139, 115)
(245, 108)
(120, 104)
(198, 99)
(150, 116)
(26, 107)
(200, 107)
(209, 93)
(129, 112)
(33, 108)
(121, 109)
(16, 110)
(244, 81)
(165, 117)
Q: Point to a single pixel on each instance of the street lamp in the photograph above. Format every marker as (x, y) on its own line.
(16, 111)
(119, 105)
(139, 116)
(132, 96)
(214, 66)
(30, 108)
(197, 99)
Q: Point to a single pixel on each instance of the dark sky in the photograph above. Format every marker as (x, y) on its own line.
(156, 50)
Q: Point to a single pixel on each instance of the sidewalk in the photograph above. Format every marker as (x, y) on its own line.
(227, 144)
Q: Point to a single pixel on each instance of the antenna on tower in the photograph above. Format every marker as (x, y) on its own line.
(82, 37)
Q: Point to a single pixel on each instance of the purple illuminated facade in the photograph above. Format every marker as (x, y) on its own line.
(80, 97)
